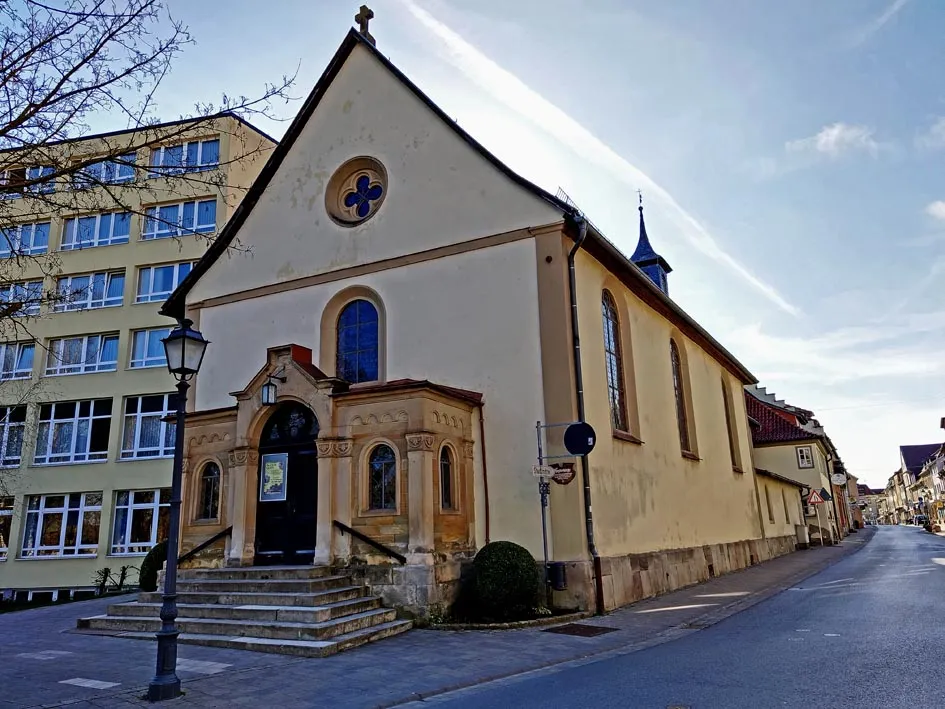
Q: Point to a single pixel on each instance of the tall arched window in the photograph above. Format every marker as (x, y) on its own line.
(613, 362)
(382, 478)
(727, 404)
(680, 394)
(357, 354)
(447, 495)
(209, 497)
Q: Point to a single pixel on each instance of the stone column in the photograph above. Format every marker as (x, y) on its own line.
(420, 471)
(242, 473)
(334, 498)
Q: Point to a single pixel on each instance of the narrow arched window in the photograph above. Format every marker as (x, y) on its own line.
(382, 478)
(209, 498)
(727, 405)
(614, 363)
(357, 354)
(447, 495)
(680, 394)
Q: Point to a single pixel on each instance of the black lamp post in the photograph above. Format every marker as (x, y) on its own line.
(184, 348)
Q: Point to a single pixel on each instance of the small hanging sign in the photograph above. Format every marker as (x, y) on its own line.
(564, 473)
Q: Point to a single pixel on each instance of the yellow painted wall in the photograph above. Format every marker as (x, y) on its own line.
(782, 459)
(781, 506)
(647, 496)
(236, 140)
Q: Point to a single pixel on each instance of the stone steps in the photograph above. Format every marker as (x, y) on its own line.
(305, 611)
(320, 598)
(259, 585)
(261, 613)
(264, 573)
(299, 648)
(270, 630)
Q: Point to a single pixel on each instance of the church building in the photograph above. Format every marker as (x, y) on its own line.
(402, 309)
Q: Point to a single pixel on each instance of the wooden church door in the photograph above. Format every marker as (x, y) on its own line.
(287, 493)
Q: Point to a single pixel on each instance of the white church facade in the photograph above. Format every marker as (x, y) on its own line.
(402, 309)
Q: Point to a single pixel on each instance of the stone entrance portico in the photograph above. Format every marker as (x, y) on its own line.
(395, 463)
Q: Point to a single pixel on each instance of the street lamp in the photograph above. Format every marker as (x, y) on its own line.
(184, 348)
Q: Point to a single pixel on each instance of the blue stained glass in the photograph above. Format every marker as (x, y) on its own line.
(366, 311)
(367, 336)
(348, 338)
(357, 346)
(362, 196)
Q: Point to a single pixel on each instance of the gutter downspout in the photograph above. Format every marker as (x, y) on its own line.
(485, 473)
(581, 224)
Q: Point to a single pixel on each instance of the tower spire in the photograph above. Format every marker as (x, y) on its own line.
(646, 258)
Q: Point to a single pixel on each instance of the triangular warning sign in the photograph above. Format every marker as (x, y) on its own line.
(815, 498)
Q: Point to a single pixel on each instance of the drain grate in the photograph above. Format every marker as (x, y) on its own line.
(581, 630)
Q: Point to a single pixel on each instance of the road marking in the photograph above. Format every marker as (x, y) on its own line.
(803, 630)
(90, 683)
(838, 581)
(44, 654)
(730, 594)
(678, 608)
(831, 635)
(204, 667)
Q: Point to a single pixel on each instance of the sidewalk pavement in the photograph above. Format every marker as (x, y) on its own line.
(47, 664)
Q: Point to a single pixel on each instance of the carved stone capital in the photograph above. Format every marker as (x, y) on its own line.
(333, 447)
(420, 441)
(243, 456)
(468, 449)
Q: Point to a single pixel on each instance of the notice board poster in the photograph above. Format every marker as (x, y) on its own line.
(272, 477)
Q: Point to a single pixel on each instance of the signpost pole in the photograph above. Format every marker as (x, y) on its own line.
(820, 524)
(544, 488)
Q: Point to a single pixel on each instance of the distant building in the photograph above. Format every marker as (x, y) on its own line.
(85, 452)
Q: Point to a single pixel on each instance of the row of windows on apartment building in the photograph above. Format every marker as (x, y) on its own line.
(192, 156)
(198, 216)
(616, 386)
(84, 354)
(101, 289)
(69, 432)
(68, 524)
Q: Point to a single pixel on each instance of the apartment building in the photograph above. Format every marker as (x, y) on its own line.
(85, 452)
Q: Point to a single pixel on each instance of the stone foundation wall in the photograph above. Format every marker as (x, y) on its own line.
(416, 590)
(631, 578)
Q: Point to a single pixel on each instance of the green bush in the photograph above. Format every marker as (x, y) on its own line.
(507, 583)
(152, 564)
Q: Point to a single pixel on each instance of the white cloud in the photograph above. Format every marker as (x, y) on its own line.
(934, 138)
(835, 140)
(509, 90)
(936, 210)
(863, 33)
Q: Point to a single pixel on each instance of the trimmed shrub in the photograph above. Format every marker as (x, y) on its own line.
(152, 564)
(507, 583)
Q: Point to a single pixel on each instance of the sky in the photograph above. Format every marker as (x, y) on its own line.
(790, 156)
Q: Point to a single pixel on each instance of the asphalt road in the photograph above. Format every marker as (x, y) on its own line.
(867, 632)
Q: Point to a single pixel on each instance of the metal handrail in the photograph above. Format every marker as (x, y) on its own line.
(203, 545)
(371, 542)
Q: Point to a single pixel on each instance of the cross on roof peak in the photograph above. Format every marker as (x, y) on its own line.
(363, 18)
